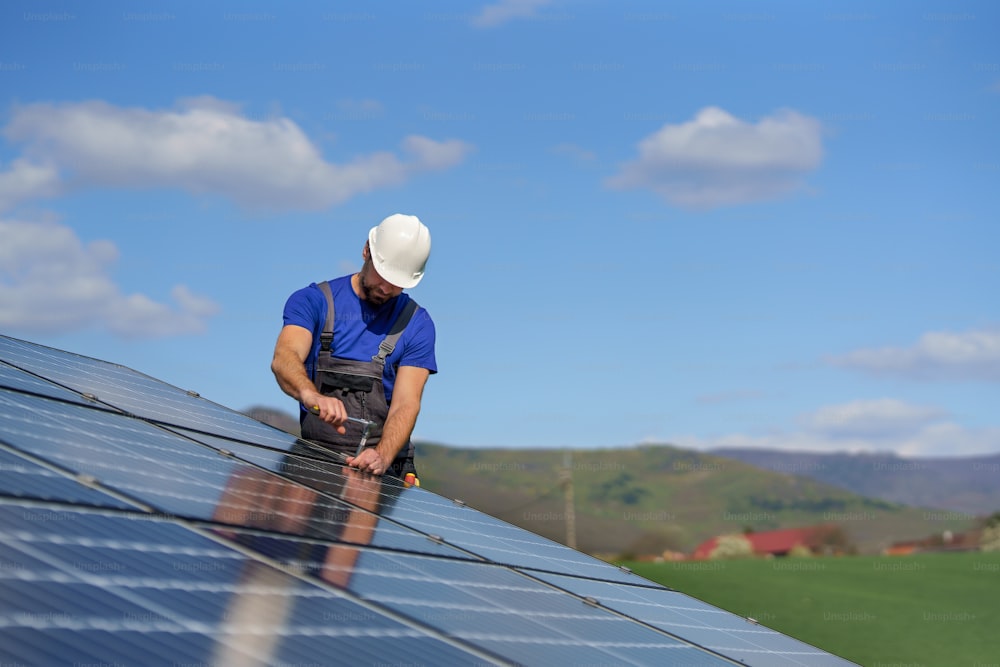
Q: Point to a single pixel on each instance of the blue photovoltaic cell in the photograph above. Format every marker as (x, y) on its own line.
(498, 540)
(174, 475)
(135, 393)
(22, 478)
(701, 623)
(500, 608)
(15, 378)
(126, 454)
(237, 543)
(147, 592)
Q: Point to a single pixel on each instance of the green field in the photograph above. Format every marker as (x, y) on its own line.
(924, 610)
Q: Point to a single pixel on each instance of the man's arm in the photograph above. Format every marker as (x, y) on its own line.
(406, 395)
(288, 365)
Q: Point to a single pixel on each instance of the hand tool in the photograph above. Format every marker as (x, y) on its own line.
(367, 425)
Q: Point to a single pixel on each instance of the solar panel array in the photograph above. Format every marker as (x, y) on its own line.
(141, 524)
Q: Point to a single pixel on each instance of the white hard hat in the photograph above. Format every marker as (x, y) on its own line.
(399, 247)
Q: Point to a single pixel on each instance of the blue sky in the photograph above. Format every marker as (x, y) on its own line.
(767, 224)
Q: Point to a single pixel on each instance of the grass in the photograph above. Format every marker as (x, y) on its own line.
(924, 610)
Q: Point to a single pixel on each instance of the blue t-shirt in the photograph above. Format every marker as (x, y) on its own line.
(359, 327)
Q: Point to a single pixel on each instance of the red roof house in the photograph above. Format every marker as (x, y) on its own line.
(778, 542)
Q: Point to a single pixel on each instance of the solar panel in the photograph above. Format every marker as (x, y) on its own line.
(143, 524)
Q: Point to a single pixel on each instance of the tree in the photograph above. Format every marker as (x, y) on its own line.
(989, 540)
(731, 546)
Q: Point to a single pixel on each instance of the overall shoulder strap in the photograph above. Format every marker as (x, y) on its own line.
(386, 347)
(326, 337)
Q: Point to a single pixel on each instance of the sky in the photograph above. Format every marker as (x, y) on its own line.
(708, 224)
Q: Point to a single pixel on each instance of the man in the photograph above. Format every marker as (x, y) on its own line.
(371, 359)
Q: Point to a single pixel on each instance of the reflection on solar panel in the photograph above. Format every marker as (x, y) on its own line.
(141, 524)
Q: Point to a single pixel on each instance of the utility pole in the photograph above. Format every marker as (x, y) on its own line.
(566, 478)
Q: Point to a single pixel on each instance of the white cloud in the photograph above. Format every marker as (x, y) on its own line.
(431, 154)
(206, 146)
(882, 425)
(25, 180)
(52, 282)
(503, 11)
(885, 417)
(717, 159)
(972, 355)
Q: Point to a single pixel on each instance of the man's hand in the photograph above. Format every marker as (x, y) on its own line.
(288, 366)
(369, 460)
(399, 422)
(329, 409)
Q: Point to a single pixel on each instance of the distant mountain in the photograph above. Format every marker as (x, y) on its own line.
(969, 485)
(646, 499)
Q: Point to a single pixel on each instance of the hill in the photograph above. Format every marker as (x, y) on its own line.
(966, 485)
(649, 498)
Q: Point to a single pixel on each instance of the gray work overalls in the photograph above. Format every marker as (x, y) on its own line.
(359, 385)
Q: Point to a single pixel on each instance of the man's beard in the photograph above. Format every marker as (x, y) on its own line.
(371, 294)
